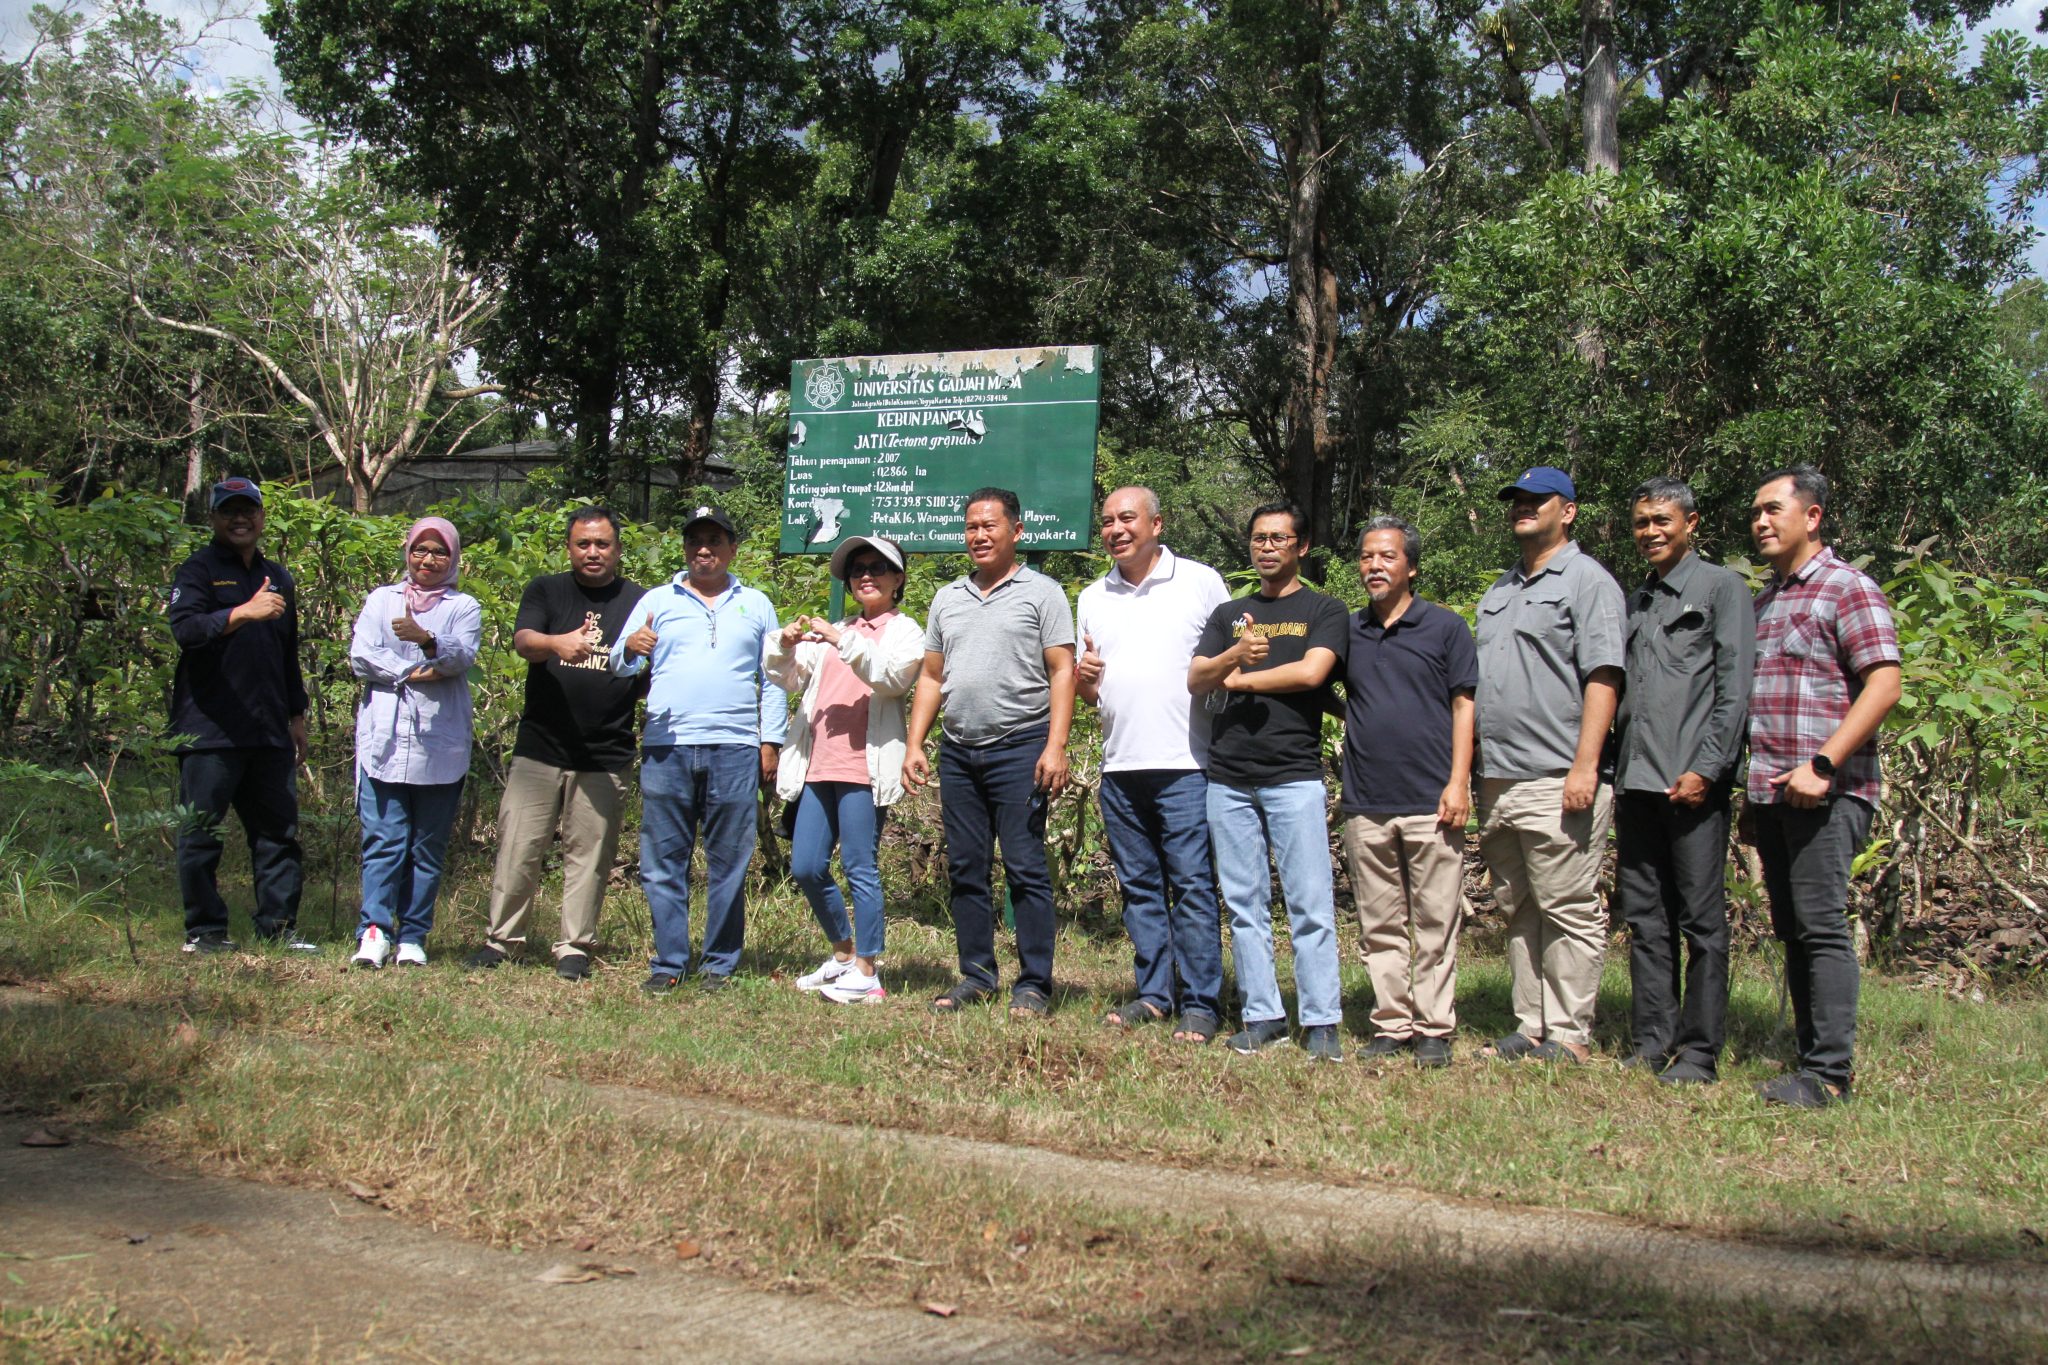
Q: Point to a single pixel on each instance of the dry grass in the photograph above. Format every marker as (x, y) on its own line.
(487, 1148)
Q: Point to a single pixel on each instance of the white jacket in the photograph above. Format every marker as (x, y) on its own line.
(889, 665)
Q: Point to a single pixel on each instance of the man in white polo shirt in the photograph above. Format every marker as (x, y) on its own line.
(1138, 626)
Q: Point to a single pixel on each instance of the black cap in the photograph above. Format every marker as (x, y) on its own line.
(704, 511)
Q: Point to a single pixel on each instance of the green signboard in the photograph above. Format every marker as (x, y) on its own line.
(890, 444)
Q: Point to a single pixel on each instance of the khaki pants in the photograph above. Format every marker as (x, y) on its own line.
(587, 807)
(1406, 872)
(1546, 874)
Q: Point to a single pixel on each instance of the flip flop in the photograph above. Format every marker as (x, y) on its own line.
(1511, 1048)
(962, 994)
(1135, 1012)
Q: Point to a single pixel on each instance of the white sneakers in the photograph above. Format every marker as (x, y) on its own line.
(853, 988)
(373, 950)
(843, 983)
(412, 955)
(828, 972)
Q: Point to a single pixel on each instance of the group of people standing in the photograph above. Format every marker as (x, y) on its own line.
(1573, 708)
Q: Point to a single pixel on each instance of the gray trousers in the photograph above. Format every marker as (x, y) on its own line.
(1806, 856)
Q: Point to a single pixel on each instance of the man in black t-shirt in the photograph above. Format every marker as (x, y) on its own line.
(574, 745)
(1264, 663)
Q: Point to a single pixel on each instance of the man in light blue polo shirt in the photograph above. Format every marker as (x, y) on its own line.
(714, 733)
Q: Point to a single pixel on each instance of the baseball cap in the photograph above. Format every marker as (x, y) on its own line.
(704, 511)
(881, 545)
(228, 489)
(1542, 480)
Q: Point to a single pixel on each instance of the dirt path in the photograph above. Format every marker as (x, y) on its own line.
(1440, 1227)
(299, 1275)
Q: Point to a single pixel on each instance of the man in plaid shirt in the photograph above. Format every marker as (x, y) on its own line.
(1827, 674)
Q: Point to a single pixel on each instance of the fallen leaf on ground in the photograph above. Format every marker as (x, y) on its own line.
(942, 1310)
(43, 1137)
(688, 1251)
(185, 1035)
(567, 1274)
(1299, 1351)
(363, 1192)
(586, 1244)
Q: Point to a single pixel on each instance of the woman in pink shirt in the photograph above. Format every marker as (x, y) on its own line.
(843, 764)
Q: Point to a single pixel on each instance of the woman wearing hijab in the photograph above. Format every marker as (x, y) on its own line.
(843, 764)
(414, 642)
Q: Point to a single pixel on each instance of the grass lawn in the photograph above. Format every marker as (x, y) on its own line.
(434, 1082)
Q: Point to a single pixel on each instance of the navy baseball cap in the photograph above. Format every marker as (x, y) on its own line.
(1542, 480)
(715, 515)
(229, 489)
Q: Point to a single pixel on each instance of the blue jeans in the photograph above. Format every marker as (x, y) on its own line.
(405, 845)
(985, 796)
(683, 786)
(842, 813)
(1157, 823)
(1290, 821)
(262, 787)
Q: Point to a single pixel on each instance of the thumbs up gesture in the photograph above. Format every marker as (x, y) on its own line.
(1088, 668)
(411, 631)
(266, 604)
(1252, 647)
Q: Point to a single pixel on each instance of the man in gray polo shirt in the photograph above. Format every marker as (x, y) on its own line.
(1691, 653)
(999, 660)
(1550, 656)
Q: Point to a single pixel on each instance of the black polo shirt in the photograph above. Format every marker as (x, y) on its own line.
(240, 690)
(1398, 685)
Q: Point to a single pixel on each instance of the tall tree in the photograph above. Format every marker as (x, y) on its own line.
(1801, 268)
(614, 159)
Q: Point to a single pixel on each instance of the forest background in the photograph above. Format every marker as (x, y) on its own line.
(1375, 257)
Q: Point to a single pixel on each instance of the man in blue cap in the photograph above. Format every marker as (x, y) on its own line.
(1550, 669)
(238, 706)
(713, 738)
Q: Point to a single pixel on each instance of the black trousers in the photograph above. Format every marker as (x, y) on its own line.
(262, 787)
(985, 798)
(1806, 856)
(1671, 887)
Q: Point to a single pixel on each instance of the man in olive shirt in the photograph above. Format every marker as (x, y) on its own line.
(1550, 656)
(1691, 652)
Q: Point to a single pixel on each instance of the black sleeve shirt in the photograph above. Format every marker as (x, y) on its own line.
(239, 690)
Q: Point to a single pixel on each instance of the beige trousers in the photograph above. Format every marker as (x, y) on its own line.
(1546, 874)
(587, 807)
(1406, 872)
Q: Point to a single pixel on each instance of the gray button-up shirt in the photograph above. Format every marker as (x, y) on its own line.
(1691, 654)
(1540, 638)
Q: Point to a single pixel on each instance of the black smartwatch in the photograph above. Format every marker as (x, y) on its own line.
(1823, 765)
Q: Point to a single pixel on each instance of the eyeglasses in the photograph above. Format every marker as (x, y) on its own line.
(426, 552)
(1264, 541)
(869, 568)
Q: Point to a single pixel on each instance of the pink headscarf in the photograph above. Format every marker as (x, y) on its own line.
(422, 593)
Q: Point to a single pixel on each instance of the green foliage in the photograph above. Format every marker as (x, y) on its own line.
(1800, 271)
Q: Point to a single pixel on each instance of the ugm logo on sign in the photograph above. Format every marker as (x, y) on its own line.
(825, 386)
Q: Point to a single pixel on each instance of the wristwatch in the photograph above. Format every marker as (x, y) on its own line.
(1823, 765)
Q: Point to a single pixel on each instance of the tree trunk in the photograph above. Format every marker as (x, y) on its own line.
(597, 391)
(1311, 303)
(1600, 88)
(195, 443)
(1599, 130)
